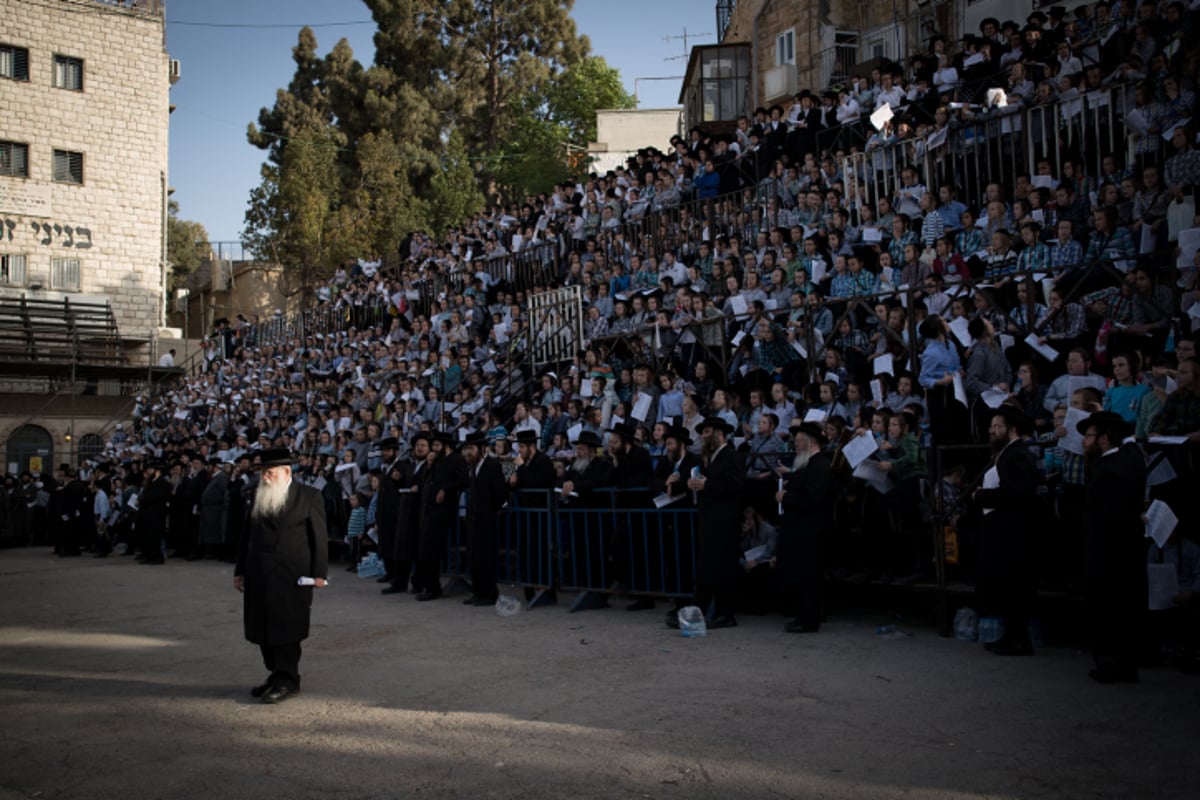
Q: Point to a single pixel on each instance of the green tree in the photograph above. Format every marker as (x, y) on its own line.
(574, 97)
(454, 192)
(187, 244)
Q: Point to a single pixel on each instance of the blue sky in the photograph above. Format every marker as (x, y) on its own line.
(229, 73)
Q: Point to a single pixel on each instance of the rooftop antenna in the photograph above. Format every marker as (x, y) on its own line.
(684, 38)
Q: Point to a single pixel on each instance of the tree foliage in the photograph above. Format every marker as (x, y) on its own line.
(463, 97)
(187, 243)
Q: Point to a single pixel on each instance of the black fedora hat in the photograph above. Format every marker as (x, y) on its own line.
(680, 434)
(716, 423)
(1108, 422)
(813, 431)
(478, 438)
(420, 436)
(588, 438)
(390, 443)
(275, 457)
(527, 437)
(445, 437)
(624, 430)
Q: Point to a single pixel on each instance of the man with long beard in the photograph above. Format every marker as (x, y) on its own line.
(807, 499)
(486, 499)
(439, 506)
(1115, 545)
(1008, 497)
(284, 541)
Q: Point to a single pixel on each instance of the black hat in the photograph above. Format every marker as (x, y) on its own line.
(680, 434)
(215, 461)
(1037, 15)
(624, 430)
(419, 436)
(812, 430)
(478, 438)
(588, 438)
(1108, 422)
(156, 464)
(275, 457)
(390, 443)
(445, 437)
(1015, 417)
(1058, 12)
(716, 423)
(527, 437)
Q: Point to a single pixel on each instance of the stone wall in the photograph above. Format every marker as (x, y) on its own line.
(113, 223)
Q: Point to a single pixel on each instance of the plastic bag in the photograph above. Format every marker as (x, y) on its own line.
(371, 566)
(966, 625)
(507, 606)
(691, 622)
(991, 629)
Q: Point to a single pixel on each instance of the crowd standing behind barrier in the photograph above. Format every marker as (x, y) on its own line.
(1012, 224)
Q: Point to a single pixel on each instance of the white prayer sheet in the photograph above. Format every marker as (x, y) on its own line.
(799, 348)
(755, 553)
(1149, 240)
(1006, 341)
(815, 415)
(664, 499)
(1045, 350)
(872, 235)
(736, 341)
(885, 365)
(971, 61)
(1135, 121)
(1043, 182)
(1163, 583)
(881, 115)
(574, 431)
(770, 304)
(960, 389)
(959, 328)
(874, 475)
(585, 387)
(817, 270)
(1168, 440)
(641, 407)
(859, 448)
(1189, 243)
(876, 389)
(501, 334)
(463, 433)
(993, 397)
(1160, 522)
(1073, 441)
(738, 305)
(1048, 285)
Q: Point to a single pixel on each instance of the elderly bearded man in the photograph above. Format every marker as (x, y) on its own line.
(284, 542)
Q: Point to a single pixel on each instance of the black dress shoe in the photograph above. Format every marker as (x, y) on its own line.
(393, 589)
(640, 605)
(384, 579)
(726, 621)
(428, 595)
(796, 626)
(277, 694)
(259, 691)
(483, 601)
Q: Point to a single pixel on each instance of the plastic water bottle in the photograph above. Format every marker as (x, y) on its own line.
(691, 622)
(507, 606)
(991, 629)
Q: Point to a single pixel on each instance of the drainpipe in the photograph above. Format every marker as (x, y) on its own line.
(754, 51)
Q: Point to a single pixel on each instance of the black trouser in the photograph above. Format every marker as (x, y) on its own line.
(481, 554)
(721, 597)
(283, 662)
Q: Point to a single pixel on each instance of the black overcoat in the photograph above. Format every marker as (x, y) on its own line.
(720, 519)
(272, 556)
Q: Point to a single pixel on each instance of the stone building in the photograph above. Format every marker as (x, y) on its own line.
(768, 50)
(84, 106)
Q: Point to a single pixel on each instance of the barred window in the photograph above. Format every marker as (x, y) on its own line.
(14, 159)
(64, 274)
(68, 166)
(68, 73)
(12, 270)
(14, 62)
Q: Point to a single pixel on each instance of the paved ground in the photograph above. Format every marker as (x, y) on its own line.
(124, 681)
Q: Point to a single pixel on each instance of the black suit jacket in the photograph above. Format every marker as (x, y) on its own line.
(273, 555)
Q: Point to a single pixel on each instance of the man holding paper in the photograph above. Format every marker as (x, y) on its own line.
(285, 541)
(807, 500)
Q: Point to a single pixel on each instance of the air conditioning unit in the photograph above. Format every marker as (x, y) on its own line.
(781, 81)
(173, 71)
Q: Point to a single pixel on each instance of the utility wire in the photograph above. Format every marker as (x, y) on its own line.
(198, 24)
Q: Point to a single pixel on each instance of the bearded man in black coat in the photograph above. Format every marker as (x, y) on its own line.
(285, 541)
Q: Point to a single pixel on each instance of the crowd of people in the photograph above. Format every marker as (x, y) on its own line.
(818, 370)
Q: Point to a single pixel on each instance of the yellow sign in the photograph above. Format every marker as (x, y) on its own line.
(35, 463)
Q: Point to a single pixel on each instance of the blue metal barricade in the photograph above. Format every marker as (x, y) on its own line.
(527, 555)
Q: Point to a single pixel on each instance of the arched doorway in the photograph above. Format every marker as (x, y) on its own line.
(91, 445)
(31, 447)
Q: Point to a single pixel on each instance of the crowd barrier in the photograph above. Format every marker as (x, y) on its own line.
(586, 544)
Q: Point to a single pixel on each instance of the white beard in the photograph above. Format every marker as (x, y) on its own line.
(801, 461)
(269, 499)
(580, 465)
